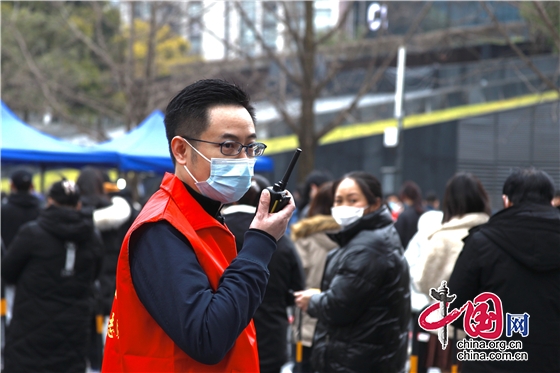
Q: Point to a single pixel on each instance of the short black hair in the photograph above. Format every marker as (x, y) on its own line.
(529, 185)
(65, 193)
(368, 184)
(431, 196)
(22, 180)
(187, 112)
(464, 194)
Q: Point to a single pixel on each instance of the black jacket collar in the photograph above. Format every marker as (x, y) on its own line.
(528, 232)
(378, 219)
(209, 205)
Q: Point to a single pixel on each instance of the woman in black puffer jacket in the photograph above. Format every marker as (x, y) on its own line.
(363, 309)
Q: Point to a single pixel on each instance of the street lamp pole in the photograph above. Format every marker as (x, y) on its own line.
(399, 115)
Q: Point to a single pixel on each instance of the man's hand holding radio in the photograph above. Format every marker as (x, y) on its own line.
(275, 223)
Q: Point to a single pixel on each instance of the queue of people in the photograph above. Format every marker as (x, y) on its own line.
(204, 278)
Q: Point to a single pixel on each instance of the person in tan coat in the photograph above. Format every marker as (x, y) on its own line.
(313, 244)
(444, 247)
(465, 205)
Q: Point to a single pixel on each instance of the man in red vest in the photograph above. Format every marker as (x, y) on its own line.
(185, 297)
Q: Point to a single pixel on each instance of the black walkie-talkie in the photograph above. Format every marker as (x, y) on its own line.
(278, 194)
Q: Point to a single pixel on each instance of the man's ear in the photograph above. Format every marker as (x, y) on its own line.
(180, 149)
(506, 201)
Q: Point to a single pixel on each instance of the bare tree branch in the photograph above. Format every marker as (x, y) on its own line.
(336, 28)
(371, 81)
(269, 52)
(288, 23)
(40, 79)
(280, 106)
(150, 57)
(98, 25)
(102, 53)
(553, 32)
(518, 51)
(102, 107)
(334, 66)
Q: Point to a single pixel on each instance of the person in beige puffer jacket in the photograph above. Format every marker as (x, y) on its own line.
(313, 244)
(465, 205)
(444, 246)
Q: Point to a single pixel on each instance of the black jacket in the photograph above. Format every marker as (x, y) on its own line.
(363, 310)
(53, 262)
(286, 275)
(407, 224)
(20, 208)
(516, 255)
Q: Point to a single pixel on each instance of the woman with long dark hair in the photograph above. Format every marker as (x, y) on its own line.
(363, 307)
(465, 205)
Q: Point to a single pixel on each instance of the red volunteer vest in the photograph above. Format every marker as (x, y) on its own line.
(135, 342)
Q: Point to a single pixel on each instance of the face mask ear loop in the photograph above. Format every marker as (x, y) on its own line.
(196, 150)
(199, 153)
(196, 181)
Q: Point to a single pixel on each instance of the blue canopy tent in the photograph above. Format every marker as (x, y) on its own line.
(24, 144)
(145, 148)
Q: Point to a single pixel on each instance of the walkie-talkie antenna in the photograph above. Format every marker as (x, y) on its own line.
(281, 185)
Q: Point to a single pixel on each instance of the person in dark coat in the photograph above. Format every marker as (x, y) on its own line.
(407, 222)
(53, 262)
(21, 206)
(286, 276)
(363, 308)
(110, 214)
(516, 255)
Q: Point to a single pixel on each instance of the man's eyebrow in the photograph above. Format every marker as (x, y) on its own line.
(230, 136)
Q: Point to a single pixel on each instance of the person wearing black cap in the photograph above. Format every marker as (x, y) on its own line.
(53, 263)
(21, 206)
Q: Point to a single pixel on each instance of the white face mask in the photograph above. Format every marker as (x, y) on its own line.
(229, 179)
(346, 215)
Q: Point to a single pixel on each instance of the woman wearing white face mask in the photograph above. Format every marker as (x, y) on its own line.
(363, 308)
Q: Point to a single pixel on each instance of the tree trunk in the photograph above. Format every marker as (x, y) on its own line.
(306, 161)
(306, 135)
